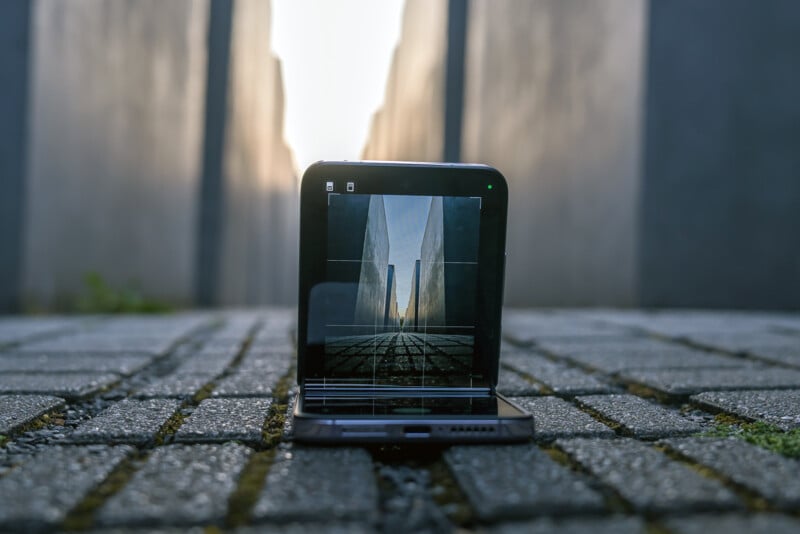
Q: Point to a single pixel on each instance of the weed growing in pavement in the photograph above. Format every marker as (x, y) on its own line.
(762, 434)
(100, 297)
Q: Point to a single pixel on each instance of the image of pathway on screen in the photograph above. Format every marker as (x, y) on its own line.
(406, 267)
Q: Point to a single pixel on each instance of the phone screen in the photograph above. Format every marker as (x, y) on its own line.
(398, 304)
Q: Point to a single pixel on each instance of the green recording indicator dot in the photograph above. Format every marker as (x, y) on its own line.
(489, 186)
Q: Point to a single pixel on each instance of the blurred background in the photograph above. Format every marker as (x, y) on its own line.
(150, 151)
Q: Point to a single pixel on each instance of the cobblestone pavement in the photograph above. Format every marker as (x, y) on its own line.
(644, 422)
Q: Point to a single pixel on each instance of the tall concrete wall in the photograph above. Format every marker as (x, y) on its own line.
(410, 322)
(391, 320)
(14, 61)
(650, 147)
(118, 140)
(358, 250)
(372, 281)
(409, 125)
(720, 202)
(432, 306)
(552, 99)
(460, 231)
(260, 186)
(448, 269)
(115, 142)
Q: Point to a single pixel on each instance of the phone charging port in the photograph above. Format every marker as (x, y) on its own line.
(417, 431)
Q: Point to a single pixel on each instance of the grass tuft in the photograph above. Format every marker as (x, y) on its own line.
(761, 434)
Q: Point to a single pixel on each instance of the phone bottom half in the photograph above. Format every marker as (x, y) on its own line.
(415, 419)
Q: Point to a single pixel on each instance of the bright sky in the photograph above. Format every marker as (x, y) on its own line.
(336, 57)
(406, 217)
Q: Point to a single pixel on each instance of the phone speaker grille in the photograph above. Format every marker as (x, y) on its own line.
(472, 429)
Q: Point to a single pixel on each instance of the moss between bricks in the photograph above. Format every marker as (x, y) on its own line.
(761, 434)
(82, 516)
(50, 418)
(272, 432)
(449, 496)
(251, 481)
(752, 499)
(613, 500)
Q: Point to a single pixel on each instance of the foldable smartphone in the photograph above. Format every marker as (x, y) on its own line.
(401, 284)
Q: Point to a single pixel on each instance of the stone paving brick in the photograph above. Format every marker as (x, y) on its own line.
(128, 421)
(247, 385)
(344, 527)
(179, 485)
(615, 356)
(175, 385)
(682, 382)
(558, 377)
(780, 408)
(685, 322)
(68, 385)
(18, 329)
(123, 364)
(16, 411)
(647, 478)
(217, 420)
(781, 348)
(319, 484)
(205, 363)
(510, 383)
(639, 417)
(734, 523)
(99, 343)
(526, 326)
(266, 362)
(518, 481)
(236, 327)
(555, 418)
(773, 476)
(40, 492)
(594, 525)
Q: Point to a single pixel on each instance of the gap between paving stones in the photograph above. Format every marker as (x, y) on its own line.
(76, 412)
(82, 515)
(253, 476)
(752, 500)
(615, 503)
(418, 489)
(167, 432)
(250, 480)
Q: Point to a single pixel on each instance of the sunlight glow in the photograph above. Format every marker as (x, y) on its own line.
(336, 57)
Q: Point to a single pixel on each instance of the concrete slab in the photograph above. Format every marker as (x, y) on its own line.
(519, 481)
(42, 490)
(16, 411)
(178, 485)
(555, 418)
(558, 377)
(684, 382)
(780, 408)
(640, 418)
(128, 421)
(319, 484)
(70, 386)
(70, 362)
(767, 473)
(216, 420)
(646, 478)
